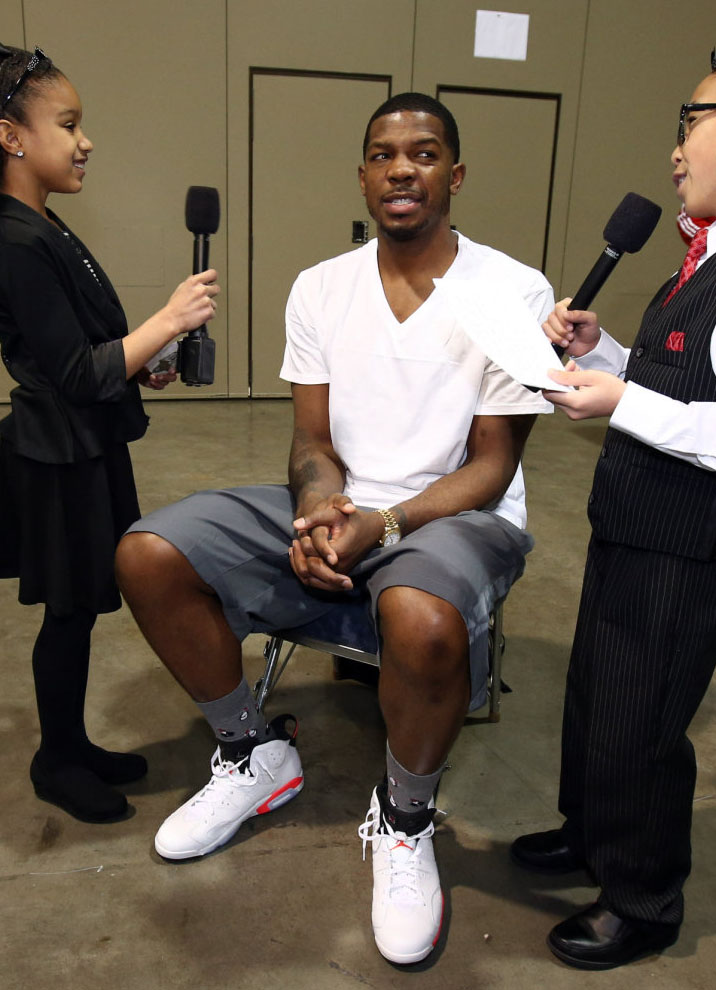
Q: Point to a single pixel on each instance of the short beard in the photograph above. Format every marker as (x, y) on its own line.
(401, 234)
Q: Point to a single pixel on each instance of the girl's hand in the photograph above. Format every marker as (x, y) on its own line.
(192, 302)
(189, 306)
(155, 381)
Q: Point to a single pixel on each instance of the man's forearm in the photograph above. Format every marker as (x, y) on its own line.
(494, 449)
(473, 486)
(314, 472)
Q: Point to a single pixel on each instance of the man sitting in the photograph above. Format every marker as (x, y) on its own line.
(404, 486)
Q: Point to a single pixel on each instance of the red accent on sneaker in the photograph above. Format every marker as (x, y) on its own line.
(442, 915)
(266, 806)
(403, 844)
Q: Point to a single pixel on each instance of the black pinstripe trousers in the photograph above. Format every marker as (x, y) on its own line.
(643, 655)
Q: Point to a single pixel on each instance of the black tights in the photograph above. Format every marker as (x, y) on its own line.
(60, 665)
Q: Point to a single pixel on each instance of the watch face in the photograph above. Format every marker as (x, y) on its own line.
(391, 539)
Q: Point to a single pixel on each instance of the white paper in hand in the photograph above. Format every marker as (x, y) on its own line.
(503, 326)
(164, 360)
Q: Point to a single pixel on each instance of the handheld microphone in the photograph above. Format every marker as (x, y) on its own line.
(196, 351)
(627, 231)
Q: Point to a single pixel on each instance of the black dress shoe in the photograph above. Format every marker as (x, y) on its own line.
(597, 939)
(112, 768)
(78, 791)
(546, 852)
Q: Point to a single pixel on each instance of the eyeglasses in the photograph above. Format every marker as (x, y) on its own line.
(684, 124)
(35, 60)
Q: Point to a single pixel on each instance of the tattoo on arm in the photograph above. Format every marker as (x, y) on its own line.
(305, 470)
(302, 475)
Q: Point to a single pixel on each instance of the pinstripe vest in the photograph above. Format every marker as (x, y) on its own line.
(640, 496)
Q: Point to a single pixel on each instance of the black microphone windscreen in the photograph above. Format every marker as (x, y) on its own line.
(202, 209)
(632, 223)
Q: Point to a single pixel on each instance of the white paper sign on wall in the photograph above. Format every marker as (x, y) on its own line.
(499, 34)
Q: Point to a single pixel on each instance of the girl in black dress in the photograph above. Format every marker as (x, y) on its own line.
(66, 486)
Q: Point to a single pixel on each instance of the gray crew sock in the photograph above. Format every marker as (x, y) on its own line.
(234, 717)
(408, 791)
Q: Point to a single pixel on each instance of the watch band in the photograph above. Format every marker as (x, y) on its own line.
(392, 529)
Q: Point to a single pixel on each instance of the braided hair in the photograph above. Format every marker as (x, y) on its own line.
(13, 63)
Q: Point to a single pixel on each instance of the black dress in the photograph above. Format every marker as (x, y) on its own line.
(67, 490)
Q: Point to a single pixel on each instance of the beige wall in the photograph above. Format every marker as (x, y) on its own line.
(642, 60)
(312, 36)
(166, 90)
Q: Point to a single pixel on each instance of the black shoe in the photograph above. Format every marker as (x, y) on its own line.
(78, 791)
(112, 768)
(546, 852)
(597, 939)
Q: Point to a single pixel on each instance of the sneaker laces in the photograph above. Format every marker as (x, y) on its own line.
(405, 854)
(368, 830)
(236, 774)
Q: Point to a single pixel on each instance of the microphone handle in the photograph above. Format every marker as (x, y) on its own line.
(605, 265)
(196, 353)
(200, 262)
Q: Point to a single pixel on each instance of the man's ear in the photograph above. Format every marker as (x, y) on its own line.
(456, 179)
(361, 178)
(9, 138)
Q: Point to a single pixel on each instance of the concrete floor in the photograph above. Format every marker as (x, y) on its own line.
(287, 903)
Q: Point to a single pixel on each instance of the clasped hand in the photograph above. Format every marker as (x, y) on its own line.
(332, 537)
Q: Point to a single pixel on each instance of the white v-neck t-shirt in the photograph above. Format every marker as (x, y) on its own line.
(403, 395)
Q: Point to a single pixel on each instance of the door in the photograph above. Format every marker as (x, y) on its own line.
(303, 79)
(307, 135)
(506, 199)
(517, 121)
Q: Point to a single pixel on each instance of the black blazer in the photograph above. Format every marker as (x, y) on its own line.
(60, 332)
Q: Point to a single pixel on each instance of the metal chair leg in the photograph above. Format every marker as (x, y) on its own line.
(272, 654)
(496, 664)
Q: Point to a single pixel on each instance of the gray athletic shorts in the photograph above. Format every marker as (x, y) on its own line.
(237, 541)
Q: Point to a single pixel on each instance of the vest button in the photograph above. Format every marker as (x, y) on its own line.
(603, 452)
(590, 500)
(639, 351)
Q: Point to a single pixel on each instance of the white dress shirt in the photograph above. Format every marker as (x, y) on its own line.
(686, 430)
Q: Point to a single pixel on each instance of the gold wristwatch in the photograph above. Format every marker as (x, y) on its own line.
(391, 534)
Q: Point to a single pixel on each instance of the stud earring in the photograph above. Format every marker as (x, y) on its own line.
(20, 154)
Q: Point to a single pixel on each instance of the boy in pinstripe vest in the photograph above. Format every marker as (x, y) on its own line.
(645, 643)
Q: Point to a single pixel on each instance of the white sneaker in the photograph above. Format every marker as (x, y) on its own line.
(407, 899)
(269, 776)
